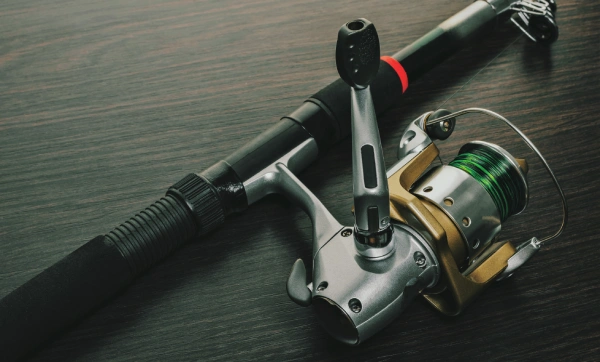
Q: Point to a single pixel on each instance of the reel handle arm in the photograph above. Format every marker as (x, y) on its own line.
(357, 60)
(371, 194)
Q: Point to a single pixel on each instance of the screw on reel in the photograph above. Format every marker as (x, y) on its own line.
(535, 18)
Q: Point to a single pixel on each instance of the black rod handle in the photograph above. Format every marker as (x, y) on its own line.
(59, 296)
(62, 294)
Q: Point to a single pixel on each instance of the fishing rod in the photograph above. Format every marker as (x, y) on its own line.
(200, 202)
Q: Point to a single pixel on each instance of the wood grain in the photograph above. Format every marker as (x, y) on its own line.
(103, 105)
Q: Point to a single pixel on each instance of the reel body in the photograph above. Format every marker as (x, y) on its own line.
(444, 222)
(418, 229)
(457, 213)
(443, 245)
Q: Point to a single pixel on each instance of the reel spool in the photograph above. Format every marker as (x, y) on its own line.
(501, 175)
(478, 191)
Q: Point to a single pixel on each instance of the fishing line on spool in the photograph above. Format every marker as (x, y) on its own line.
(496, 175)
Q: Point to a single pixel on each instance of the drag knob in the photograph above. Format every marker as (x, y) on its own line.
(357, 53)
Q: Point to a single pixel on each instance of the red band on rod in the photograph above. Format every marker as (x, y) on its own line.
(399, 70)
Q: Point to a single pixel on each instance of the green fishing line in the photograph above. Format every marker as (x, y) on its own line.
(496, 174)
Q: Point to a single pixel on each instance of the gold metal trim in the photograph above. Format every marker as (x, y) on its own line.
(456, 289)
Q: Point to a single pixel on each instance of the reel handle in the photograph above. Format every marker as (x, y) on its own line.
(357, 60)
(357, 53)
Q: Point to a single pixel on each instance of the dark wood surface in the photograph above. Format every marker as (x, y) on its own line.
(103, 105)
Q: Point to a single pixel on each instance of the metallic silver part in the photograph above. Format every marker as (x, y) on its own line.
(465, 201)
(420, 259)
(471, 145)
(324, 224)
(277, 178)
(296, 160)
(530, 144)
(383, 287)
(413, 141)
(296, 285)
(538, 7)
(374, 245)
(322, 287)
(378, 253)
(366, 133)
(524, 10)
(524, 252)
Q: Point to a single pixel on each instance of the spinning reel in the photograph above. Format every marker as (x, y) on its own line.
(416, 231)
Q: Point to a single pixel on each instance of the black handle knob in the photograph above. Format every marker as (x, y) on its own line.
(357, 53)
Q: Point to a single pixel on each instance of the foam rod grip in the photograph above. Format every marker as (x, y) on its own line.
(80, 282)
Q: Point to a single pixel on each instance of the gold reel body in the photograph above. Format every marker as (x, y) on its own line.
(461, 283)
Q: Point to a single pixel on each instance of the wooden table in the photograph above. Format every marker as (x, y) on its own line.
(103, 105)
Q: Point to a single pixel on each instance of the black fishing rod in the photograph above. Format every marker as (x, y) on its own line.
(201, 202)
